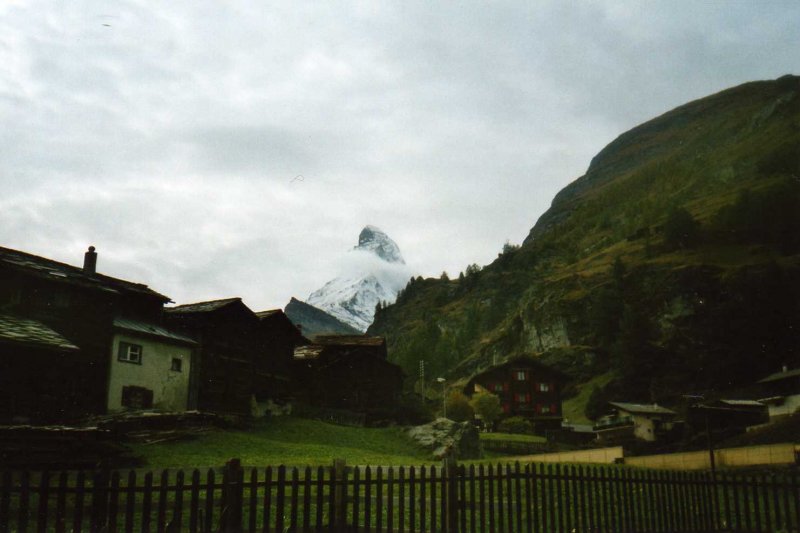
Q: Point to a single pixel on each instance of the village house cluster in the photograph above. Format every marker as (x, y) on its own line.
(76, 342)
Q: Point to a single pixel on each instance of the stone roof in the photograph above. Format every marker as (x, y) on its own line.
(44, 268)
(644, 409)
(201, 307)
(308, 352)
(349, 340)
(268, 313)
(152, 330)
(18, 330)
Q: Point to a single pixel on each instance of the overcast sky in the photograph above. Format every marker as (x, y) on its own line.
(170, 134)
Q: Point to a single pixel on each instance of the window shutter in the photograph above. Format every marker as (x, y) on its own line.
(538, 408)
(553, 409)
(527, 375)
(528, 397)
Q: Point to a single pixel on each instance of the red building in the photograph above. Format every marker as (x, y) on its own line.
(526, 388)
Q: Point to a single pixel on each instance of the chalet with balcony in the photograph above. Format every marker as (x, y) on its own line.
(627, 421)
(526, 388)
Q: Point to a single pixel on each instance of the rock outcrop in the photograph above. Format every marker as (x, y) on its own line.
(443, 436)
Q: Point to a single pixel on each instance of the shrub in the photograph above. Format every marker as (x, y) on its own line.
(487, 406)
(458, 407)
(515, 424)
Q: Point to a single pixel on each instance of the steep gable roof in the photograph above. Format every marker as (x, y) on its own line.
(349, 340)
(49, 269)
(27, 332)
(202, 307)
(644, 409)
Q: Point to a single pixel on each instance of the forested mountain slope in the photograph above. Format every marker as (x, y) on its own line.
(671, 266)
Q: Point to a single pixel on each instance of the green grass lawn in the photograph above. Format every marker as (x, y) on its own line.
(573, 408)
(512, 437)
(289, 441)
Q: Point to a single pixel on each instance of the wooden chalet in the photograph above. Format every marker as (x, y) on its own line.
(627, 421)
(229, 335)
(526, 388)
(347, 372)
(57, 322)
(273, 366)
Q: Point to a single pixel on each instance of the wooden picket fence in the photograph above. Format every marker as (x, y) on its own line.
(452, 498)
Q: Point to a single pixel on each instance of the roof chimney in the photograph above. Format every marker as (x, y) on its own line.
(90, 261)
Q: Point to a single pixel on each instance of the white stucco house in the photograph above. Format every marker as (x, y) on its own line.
(150, 368)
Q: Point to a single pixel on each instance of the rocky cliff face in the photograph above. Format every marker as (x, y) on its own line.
(375, 272)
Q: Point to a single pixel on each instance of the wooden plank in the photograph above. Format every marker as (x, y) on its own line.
(481, 497)
(510, 495)
(518, 495)
(472, 501)
(5, 501)
(252, 513)
(161, 514)
(683, 508)
(390, 497)
(207, 521)
(24, 501)
(423, 502)
(194, 501)
(379, 498)
(147, 499)
(401, 508)
(130, 502)
(113, 504)
(294, 499)
(756, 499)
(176, 524)
(576, 503)
(320, 496)
(491, 503)
(368, 498)
(412, 499)
(44, 498)
(462, 498)
(500, 507)
(61, 505)
(307, 499)
(80, 491)
(669, 485)
(356, 497)
(443, 514)
(433, 499)
(266, 503)
(787, 508)
(280, 498)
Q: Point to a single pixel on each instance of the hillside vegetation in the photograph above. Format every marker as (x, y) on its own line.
(671, 266)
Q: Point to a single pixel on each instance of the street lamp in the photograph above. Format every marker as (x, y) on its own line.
(444, 397)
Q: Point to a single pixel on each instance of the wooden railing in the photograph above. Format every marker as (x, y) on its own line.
(503, 497)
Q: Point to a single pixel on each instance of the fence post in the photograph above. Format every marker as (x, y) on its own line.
(232, 496)
(450, 465)
(339, 500)
(99, 513)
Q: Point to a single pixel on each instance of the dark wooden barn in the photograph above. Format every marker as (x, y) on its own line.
(526, 388)
(273, 365)
(230, 340)
(347, 372)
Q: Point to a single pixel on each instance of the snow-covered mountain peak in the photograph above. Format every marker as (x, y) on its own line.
(372, 272)
(373, 239)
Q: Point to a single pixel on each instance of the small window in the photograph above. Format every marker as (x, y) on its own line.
(498, 387)
(177, 364)
(137, 397)
(545, 409)
(544, 387)
(520, 375)
(130, 353)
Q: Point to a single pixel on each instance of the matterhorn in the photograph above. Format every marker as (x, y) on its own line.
(374, 272)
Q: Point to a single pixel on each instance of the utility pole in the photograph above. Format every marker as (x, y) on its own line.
(444, 397)
(422, 379)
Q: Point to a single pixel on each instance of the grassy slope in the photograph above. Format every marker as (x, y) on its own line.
(512, 437)
(289, 441)
(573, 407)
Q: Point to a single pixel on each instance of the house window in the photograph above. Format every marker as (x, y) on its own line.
(520, 375)
(130, 353)
(177, 364)
(137, 397)
(498, 387)
(522, 397)
(544, 387)
(543, 409)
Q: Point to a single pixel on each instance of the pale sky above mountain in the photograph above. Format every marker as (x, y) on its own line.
(170, 134)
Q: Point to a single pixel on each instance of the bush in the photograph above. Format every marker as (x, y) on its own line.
(458, 407)
(515, 424)
(487, 406)
(681, 230)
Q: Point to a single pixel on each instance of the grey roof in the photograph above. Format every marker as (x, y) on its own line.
(742, 403)
(268, 313)
(145, 328)
(53, 270)
(777, 376)
(645, 409)
(202, 307)
(32, 333)
(349, 340)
